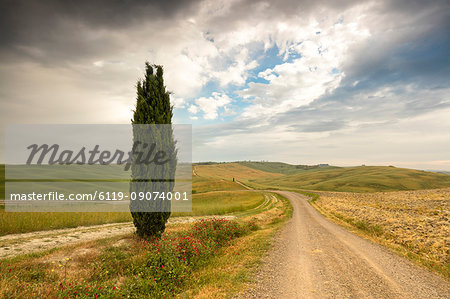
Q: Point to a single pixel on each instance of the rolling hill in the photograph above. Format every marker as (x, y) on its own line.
(359, 179)
(282, 168)
(228, 171)
(325, 178)
(265, 175)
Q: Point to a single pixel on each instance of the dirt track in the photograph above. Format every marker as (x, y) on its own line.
(315, 258)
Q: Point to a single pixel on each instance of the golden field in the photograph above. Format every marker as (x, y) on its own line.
(416, 221)
(228, 171)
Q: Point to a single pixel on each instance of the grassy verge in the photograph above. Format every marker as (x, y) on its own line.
(211, 258)
(201, 185)
(22, 222)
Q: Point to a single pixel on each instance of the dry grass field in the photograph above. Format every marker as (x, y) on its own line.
(201, 185)
(228, 171)
(415, 222)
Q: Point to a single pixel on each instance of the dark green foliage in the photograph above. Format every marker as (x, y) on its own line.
(153, 101)
(152, 107)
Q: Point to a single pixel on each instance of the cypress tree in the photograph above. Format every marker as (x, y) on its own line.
(152, 107)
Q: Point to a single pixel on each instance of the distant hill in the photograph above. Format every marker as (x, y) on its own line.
(326, 178)
(440, 171)
(228, 171)
(316, 177)
(359, 179)
(279, 167)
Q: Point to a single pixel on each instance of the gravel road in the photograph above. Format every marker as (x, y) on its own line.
(315, 258)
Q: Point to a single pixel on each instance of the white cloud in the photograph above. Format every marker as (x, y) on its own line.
(321, 49)
(178, 102)
(193, 109)
(210, 106)
(237, 72)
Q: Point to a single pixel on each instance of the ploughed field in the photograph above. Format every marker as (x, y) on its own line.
(415, 222)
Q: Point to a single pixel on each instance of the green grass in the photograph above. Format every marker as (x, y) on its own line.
(23, 222)
(211, 203)
(11, 223)
(203, 204)
(201, 185)
(358, 179)
(224, 202)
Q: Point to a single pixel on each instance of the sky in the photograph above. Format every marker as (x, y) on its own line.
(303, 82)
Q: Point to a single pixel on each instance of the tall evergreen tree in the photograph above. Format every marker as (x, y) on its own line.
(152, 107)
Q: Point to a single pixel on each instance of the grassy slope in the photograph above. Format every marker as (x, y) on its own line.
(228, 171)
(223, 202)
(201, 185)
(279, 167)
(359, 179)
(219, 176)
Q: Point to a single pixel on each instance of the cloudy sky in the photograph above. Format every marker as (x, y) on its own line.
(305, 82)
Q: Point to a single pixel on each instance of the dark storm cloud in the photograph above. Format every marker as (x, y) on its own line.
(391, 78)
(48, 30)
(259, 11)
(423, 60)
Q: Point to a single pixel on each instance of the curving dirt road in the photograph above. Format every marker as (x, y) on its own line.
(315, 258)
